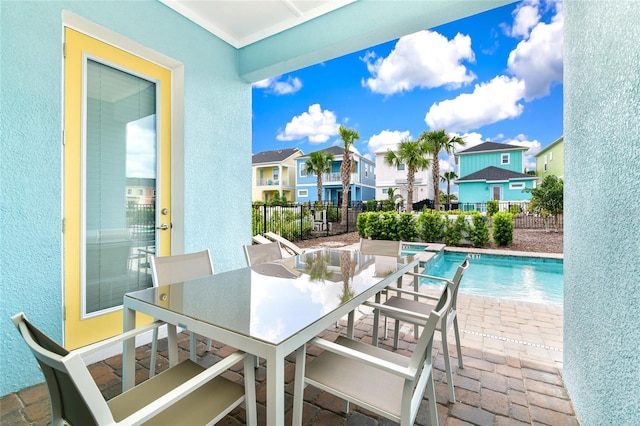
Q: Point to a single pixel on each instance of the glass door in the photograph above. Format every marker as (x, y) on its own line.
(117, 191)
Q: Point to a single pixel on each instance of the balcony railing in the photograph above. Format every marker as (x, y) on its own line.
(335, 177)
(272, 182)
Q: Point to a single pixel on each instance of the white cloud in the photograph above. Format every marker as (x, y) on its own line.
(525, 17)
(424, 59)
(386, 140)
(538, 61)
(315, 124)
(497, 100)
(274, 85)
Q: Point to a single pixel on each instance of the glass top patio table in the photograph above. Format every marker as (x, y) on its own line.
(268, 310)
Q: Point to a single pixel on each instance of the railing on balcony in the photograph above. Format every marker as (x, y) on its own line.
(272, 182)
(336, 178)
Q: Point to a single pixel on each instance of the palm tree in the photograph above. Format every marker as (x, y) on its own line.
(413, 154)
(447, 177)
(319, 162)
(347, 271)
(437, 142)
(349, 137)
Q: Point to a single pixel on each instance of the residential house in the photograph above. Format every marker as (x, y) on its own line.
(274, 172)
(363, 180)
(550, 160)
(396, 177)
(492, 171)
(209, 76)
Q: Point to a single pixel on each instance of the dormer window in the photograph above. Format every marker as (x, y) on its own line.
(504, 158)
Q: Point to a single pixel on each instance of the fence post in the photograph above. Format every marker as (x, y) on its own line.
(264, 216)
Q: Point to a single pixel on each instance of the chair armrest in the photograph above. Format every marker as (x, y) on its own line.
(431, 277)
(413, 293)
(390, 367)
(183, 390)
(119, 338)
(392, 309)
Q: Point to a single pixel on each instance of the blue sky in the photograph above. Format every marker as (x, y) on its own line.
(496, 76)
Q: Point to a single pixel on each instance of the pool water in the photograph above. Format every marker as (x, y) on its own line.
(529, 279)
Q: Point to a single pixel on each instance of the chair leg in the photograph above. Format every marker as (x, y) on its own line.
(431, 396)
(192, 346)
(457, 335)
(396, 334)
(447, 366)
(209, 345)
(154, 351)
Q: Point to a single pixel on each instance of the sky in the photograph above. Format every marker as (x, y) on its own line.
(496, 76)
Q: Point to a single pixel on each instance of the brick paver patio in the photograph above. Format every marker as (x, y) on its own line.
(512, 373)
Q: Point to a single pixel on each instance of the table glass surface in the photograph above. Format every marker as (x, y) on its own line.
(274, 301)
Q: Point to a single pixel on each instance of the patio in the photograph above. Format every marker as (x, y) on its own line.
(512, 357)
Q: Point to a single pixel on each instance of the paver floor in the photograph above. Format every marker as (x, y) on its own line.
(512, 353)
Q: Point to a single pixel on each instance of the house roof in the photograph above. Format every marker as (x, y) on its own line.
(551, 145)
(492, 146)
(494, 174)
(336, 150)
(274, 156)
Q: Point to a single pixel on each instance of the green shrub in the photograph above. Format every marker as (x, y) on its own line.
(388, 205)
(493, 207)
(407, 227)
(372, 205)
(455, 230)
(479, 232)
(334, 214)
(503, 228)
(383, 226)
(515, 209)
(430, 226)
(362, 223)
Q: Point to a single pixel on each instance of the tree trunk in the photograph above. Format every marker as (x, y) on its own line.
(345, 169)
(411, 175)
(435, 174)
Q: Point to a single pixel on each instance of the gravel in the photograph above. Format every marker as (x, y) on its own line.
(531, 240)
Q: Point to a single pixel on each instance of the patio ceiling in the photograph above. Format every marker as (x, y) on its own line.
(242, 22)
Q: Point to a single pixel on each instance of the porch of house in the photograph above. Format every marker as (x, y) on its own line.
(512, 372)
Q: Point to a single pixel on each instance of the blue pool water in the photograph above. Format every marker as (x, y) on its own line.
(529, 279)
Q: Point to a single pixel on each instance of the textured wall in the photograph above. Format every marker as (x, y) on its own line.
(217, 154)
(602, 241)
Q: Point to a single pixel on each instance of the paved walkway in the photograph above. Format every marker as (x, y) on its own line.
(512, 373)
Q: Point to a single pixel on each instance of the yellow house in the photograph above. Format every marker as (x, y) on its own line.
(274, 172)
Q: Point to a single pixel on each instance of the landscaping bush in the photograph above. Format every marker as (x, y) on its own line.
(362, 223)
(455, 230)
(493, 207)
(503, 228)
(515, 209)
(430, 226)
(407, 227)
(479, 232)
(382, 226)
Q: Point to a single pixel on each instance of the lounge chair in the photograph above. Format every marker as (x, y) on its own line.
(286, 244)
(261, 253)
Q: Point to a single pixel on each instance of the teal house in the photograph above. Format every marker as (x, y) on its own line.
(363, 180)
(492, 171)
(202, 179)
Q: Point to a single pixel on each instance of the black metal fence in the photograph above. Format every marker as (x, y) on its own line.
(304, 220)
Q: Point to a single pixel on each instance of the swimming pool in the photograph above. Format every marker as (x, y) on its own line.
(528, 279)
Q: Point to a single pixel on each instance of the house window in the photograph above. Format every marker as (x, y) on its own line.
(516, 185)
(550, 155)
(276, 175)
(129, 191)
(545, 163)
(504, 159)
(303, 170)
(400, 167)
(366, 170)
(303, 193)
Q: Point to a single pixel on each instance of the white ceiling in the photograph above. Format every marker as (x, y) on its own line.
(242, 22)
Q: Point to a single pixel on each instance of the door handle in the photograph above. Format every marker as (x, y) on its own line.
(164, 226)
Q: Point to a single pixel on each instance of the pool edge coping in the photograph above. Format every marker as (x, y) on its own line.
(504, 252)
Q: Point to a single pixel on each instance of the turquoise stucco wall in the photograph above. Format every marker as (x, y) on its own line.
(602, 244)
(471, 163)
(217, 144)
(480, 192)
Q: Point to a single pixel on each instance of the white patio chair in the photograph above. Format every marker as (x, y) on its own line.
(184, 394)
(386, 383)
(380, 247)
(174, 269)
(396, 307)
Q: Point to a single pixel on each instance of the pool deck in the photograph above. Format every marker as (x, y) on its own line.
(512, 375)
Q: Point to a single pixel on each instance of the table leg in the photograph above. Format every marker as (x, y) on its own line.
(298, 388)
(275, 388)
(172, 341)
(129, 351)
